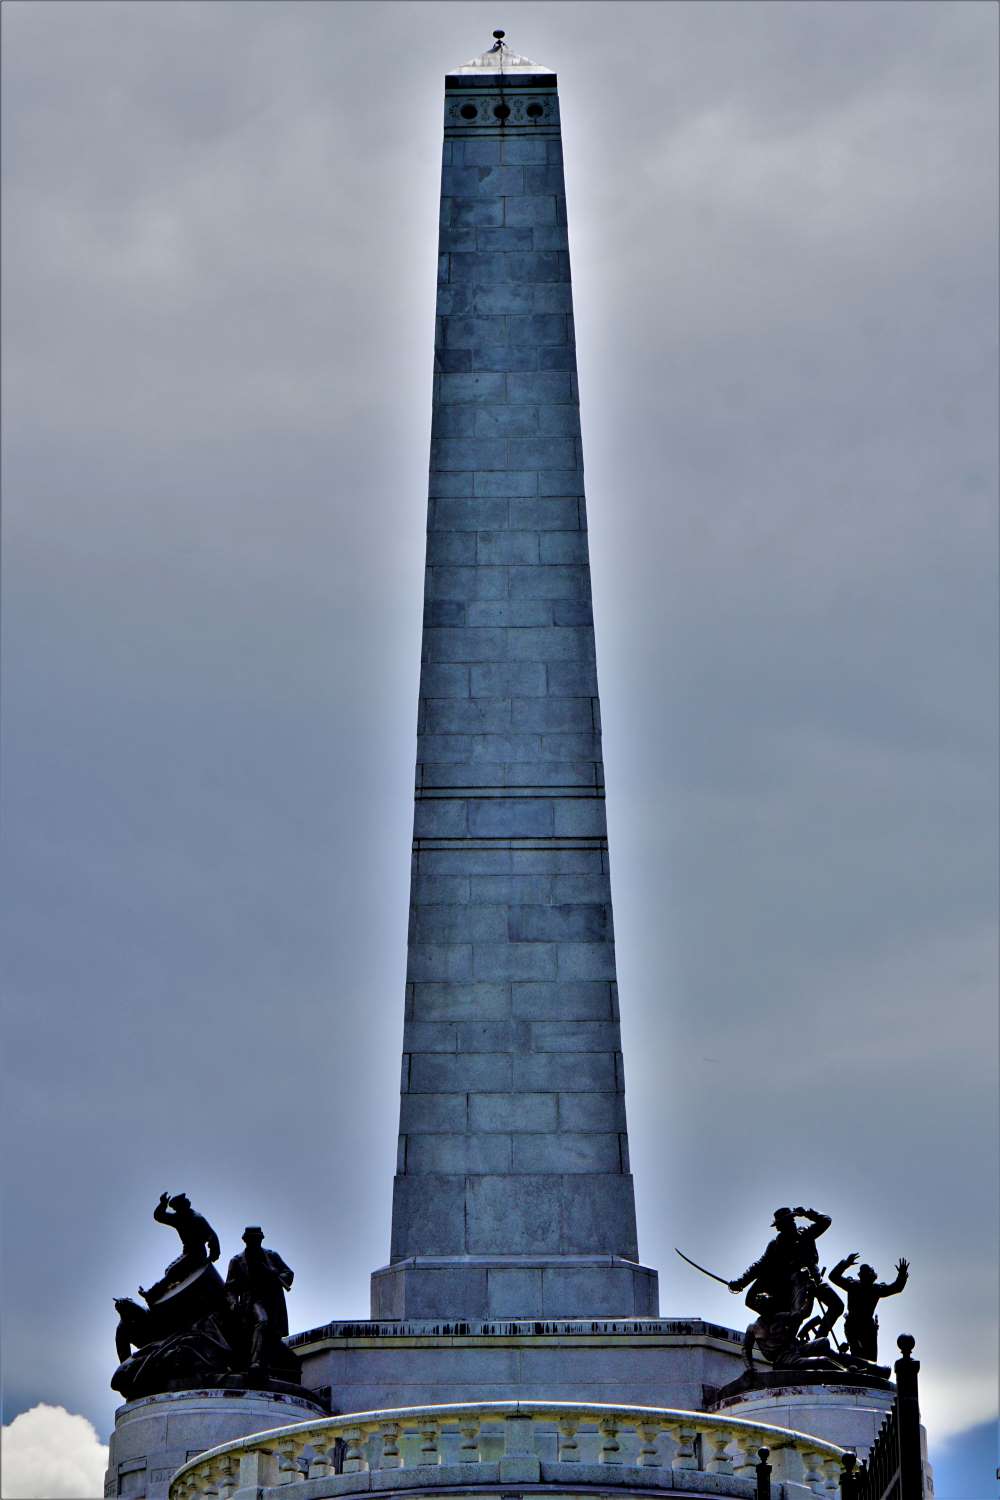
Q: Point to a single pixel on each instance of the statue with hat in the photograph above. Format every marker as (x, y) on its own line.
(783, 1286)
(199, 1242)
(256, 1285)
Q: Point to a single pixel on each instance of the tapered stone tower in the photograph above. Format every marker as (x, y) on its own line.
(513, 1196)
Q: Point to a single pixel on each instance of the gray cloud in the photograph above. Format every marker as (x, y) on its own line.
(219, 249)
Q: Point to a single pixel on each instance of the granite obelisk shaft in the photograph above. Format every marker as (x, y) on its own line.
(513, 1196)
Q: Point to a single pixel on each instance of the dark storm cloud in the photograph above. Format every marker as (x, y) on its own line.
(219, 262)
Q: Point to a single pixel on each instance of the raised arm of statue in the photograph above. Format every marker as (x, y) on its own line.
(212, 1242)
(820, 1222)
(161, 1213)
(902, 1274)
(837, 1273)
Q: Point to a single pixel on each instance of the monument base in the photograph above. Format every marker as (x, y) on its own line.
(513, 1286)
(847, 1409)
(156, 1434)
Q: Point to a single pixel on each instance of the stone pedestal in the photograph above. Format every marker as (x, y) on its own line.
(154, 1436)
(514, 1286)
(847, 1412)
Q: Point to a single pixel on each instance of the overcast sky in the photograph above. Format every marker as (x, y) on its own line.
(219, 252)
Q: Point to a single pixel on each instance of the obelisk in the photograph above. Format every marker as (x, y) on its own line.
(513, 1197)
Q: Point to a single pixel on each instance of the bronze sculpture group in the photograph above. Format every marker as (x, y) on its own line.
(197, 1329)
(787, 1285)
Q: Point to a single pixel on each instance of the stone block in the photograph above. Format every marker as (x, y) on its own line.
(458, 1153)
(566, 1151)
(427, 1215)
(565, 547)
(533, 265)
(557, 358)
(556, 861)
(458, 421)
(445, 484)
(555, 924)
(459, 773)
(598, 1213)
(513, 1112)
(508, 238)
(511, 1215)
(562, 514)
(457, 924)
(487, 1036)
(531, 453)
(479, 152)
(507, 483)
(502, 181)
(551, 237)
(553, 296)
(575, 1036)
(581, 819)
(525, 150)
(516, 817)
(536, 388)
(469, 715)
(425, 1113)
(461, 388)
(534, 208)
(589, 1291)
(559, 421)
(519, 679)
(456, 239)
(505, 547)
(462, 182)
(514, 1292)
(556, 482)
(504, 297)
(503, 421)
(520, 1470)
(503, 357)
(444, 680)
(572, 747)
(441, 962)
(560, 1001)
(464, 210)
(468, 453)
(429, 1036)
(466, 645)
(514, 890)
(516, 961)
(552, 644)
(481, 268)
(564, 1072)
(466, 332)
(547, 179)
(571, 679)
(444, 612)
(585, 888)
(541, 715)
(592, 1112)
(470, 1072)
(545, 773)
(468, 514)
(535, 329)
(491, 860)
(461, 1002)
(510, 612)
(573, 612)
(510, 747)
(439, 819)
(587, 961)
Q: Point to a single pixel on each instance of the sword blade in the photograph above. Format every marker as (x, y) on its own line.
(701, 1268)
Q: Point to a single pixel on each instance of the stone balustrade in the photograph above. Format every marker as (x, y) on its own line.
(569, 1447)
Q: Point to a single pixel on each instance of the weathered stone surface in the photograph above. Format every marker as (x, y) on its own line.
(512, 1121)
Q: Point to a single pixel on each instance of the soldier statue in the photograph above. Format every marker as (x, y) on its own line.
(256, 1286)
(199, 1242)
(864, 1292)
(784, 1283)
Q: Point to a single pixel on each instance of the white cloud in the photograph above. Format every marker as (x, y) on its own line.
(51, 1454)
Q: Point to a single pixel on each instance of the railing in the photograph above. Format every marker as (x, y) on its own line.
(561, 1444)
(894, 1470)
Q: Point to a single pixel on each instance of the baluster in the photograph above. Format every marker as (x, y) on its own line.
(684, 1455)
(611, 1452)
(717, 1439)
(468, 1448)
(288, 1450)
(746, 1454)
(390, 1445)
(813, 1476)
(321, 1463)
(354, 1450)
(429, 1451)
(831, 1471)
(226, 1476)
(569, 1448)
(648, 1454)
(258, 1468)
